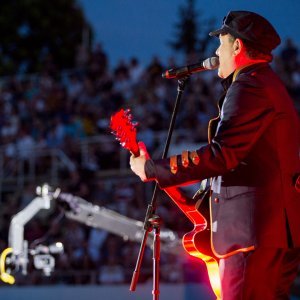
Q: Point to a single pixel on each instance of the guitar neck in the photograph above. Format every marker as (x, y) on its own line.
(184, 203)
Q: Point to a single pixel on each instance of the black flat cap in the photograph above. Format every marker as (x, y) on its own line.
(251, 27)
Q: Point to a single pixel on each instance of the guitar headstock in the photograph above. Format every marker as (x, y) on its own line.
(125, 130)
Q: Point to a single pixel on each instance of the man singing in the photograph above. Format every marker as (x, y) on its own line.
(252, 160)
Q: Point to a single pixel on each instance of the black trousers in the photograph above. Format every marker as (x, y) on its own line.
(265, 273)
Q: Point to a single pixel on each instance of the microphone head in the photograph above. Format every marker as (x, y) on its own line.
(211, 63)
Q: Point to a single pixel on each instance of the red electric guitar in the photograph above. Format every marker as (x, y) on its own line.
(196, 242)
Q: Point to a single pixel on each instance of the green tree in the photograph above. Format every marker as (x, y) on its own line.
(192, 31)
(30, 30)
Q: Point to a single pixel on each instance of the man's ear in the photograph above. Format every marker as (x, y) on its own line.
(237, 46)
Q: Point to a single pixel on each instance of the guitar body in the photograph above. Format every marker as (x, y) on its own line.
(198, 241)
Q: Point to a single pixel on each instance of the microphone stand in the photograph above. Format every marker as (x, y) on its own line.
(152, 221)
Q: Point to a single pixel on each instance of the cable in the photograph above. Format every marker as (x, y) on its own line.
(40, 240)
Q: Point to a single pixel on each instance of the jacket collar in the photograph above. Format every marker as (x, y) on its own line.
(226, 82)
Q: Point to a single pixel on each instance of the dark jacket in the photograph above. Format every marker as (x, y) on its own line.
(253, 158)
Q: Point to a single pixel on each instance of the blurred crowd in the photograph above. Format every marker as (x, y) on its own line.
(64, 110)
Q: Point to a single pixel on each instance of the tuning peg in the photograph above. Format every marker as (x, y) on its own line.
(128, 114)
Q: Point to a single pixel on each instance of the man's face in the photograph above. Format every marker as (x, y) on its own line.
(226, 56)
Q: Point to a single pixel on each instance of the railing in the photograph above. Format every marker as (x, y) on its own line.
(18, 170)
(74, 276)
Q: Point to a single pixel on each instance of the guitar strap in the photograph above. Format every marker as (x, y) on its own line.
(202, 194)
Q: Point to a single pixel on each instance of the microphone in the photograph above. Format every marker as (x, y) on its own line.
(208, 64)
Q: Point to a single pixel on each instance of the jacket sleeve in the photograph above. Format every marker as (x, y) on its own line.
(246, 113)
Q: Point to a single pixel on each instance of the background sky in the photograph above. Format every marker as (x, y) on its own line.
(141, 28)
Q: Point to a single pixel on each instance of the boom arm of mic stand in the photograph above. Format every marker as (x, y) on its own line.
(150, 214)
